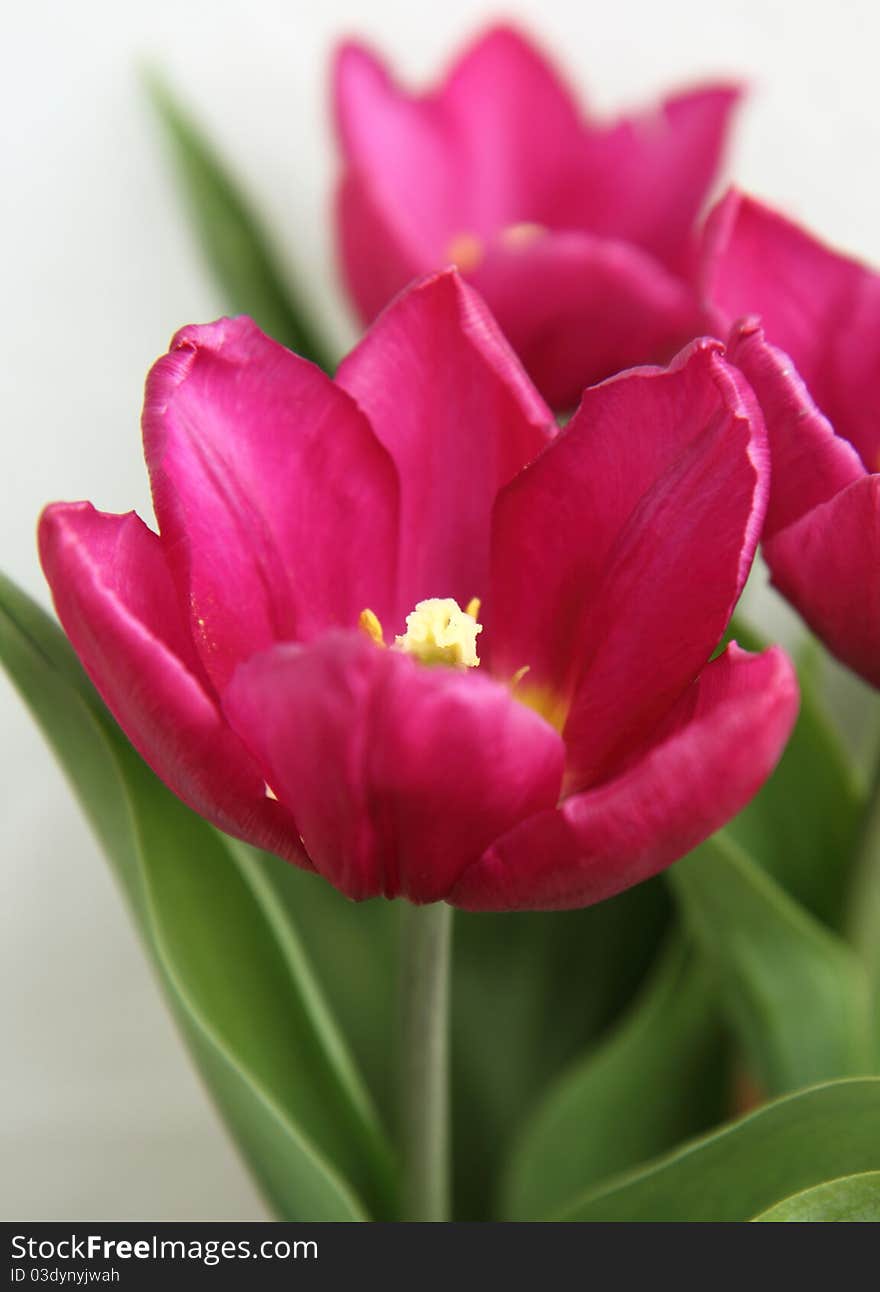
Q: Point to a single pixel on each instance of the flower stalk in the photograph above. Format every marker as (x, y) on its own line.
(426, 938)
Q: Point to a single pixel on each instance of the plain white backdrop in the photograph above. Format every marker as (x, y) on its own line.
(101, 1116)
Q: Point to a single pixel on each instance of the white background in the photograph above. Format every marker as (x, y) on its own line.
(100, 1114)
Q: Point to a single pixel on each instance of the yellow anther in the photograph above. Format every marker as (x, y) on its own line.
(369, 624)
(473, 607)
(466, 251)
(518, 236)
(438, 631)
(519, 675)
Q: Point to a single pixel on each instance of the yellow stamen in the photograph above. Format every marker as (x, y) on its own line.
(518, 236)
(466, 251)
(438, 631)
(369, 624)
(473, 607)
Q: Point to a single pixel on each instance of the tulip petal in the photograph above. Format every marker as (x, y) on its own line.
(826, 565)
(464, 159)
(810, 462)
(373, 261)
(820, 307)
(276, 504)
(450, 402)
(399, 775)
(516, 130)
(619, 554)
(715, 752)
(577, 308)
(645, 178)
(118, 605)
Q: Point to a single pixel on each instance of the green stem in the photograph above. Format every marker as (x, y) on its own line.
(424, 1060)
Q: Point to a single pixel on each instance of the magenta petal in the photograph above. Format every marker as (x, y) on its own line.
(810, 462)
(620, 553)
(646, 177)
(373, 259)
(577, 307)
(450, 402)
(821, 308)
(826, 564)
(400, 154)
(517, 130)
(399, 775)
(117, 604)
(465, 158)
(727, 735)
(276, 504)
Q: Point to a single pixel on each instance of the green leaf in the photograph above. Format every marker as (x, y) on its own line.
(659, 1078)
(795, 993)
(231, 964)
(236, 246)
(853, 1197)
(785, 1147)
(530, 991)
(803, 825)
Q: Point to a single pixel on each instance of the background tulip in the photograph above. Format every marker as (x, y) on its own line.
(812, 355)
(594, 744)
(580, 234)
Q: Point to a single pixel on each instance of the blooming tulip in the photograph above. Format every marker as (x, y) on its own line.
(300, 653)
(579, 234)
(813, 359)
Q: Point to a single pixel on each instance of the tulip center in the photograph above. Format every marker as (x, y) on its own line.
(438, 631)
(516, 237)
(465, 251)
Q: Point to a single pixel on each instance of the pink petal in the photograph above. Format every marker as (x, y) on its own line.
(276, 504)
(399, 774)
(722, 743)
(810, 462)
(373, 261)
(826, 564)
(117, 604)
(821, 308)
(517, 131)
(620, 553)
(578, 308)
(447, 398)
(645, 178)
(465, 158)
(399, 152)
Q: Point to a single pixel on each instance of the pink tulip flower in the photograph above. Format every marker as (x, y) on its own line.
(812, 357)
(578, 233)
(299, 654)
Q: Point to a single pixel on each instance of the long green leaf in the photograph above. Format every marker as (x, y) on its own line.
(739, 1171)
(236, 246)
(530, 992)
(658, 1079)
(235, 975)
(795, 993)
(851, 1198)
